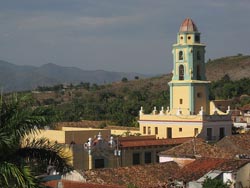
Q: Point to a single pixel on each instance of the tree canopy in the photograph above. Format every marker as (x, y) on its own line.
(214, 183)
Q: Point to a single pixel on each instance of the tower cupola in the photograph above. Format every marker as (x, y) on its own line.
(188, 26)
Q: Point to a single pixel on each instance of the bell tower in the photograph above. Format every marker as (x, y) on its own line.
(189, 87)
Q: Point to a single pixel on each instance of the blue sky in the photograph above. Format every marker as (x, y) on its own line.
(117, 35)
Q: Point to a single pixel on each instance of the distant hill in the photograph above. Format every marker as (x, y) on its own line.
(236, 67)
(19, 78)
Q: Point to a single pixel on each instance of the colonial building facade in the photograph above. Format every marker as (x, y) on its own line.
(190, 113)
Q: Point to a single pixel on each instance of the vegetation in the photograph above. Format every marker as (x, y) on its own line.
(225, 88)
(107, 102)
(214, 183)
(22, 160)
(120, 108)
(119, 103)
(124, 79)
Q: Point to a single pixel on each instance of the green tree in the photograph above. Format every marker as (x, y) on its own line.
(21, 161)
(214, 183)
(124, 79)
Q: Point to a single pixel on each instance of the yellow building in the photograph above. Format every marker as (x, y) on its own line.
(74, 140)
(190, 112)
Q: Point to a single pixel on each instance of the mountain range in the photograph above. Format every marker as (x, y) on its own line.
(19, 78)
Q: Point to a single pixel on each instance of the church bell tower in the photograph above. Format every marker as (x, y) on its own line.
(189, 87)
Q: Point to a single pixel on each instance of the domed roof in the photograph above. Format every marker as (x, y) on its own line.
(188, 26)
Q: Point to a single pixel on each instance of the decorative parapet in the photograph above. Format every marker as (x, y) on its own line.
(141, 111)
(215, 111)
(154, 112)
(201, 112)
(162, 112)
(229, 110)
(178, 112)
(179, 116)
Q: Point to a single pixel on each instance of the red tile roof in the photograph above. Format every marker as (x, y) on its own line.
(235, 144)
(200, 167)
(245, 107)
(156, 142)
(188, 26)
(74, 184)
(197, 147)
(143, 176)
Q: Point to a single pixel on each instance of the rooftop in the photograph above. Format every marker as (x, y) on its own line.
(150, 175)
(200, 167)
(245, 107)
(195, 147)
(235, 144)
(153, 142)
(188, 26)
(75, 184)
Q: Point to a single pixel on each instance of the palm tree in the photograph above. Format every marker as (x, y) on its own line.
(21, 162)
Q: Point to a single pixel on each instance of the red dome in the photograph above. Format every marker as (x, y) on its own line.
(188, 26)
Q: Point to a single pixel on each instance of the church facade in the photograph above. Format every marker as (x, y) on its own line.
(190, 112)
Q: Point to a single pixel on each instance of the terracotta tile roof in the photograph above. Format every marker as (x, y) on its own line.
(143, 176)
(197, 147)
(156, 142)
(235, 144)
(200, 167)
(74, 184)
(245, 107)
(188, 26)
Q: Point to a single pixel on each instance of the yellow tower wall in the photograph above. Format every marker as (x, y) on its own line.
(201, 99)
(178, 95)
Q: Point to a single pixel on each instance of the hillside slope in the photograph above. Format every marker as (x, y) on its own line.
(236, 67)
(20, 78)
(111, 101)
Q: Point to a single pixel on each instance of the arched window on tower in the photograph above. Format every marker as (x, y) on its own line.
(180, 55)
(181, 72)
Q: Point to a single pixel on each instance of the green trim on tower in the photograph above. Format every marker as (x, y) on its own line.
(191, 99)
(171, 94)
(192, 75)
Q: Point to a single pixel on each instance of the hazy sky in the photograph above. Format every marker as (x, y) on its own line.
(117, 35)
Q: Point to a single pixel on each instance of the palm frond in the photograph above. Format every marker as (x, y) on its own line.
(46, 153)
(19, 119)
(7, 145)
(14, 176)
